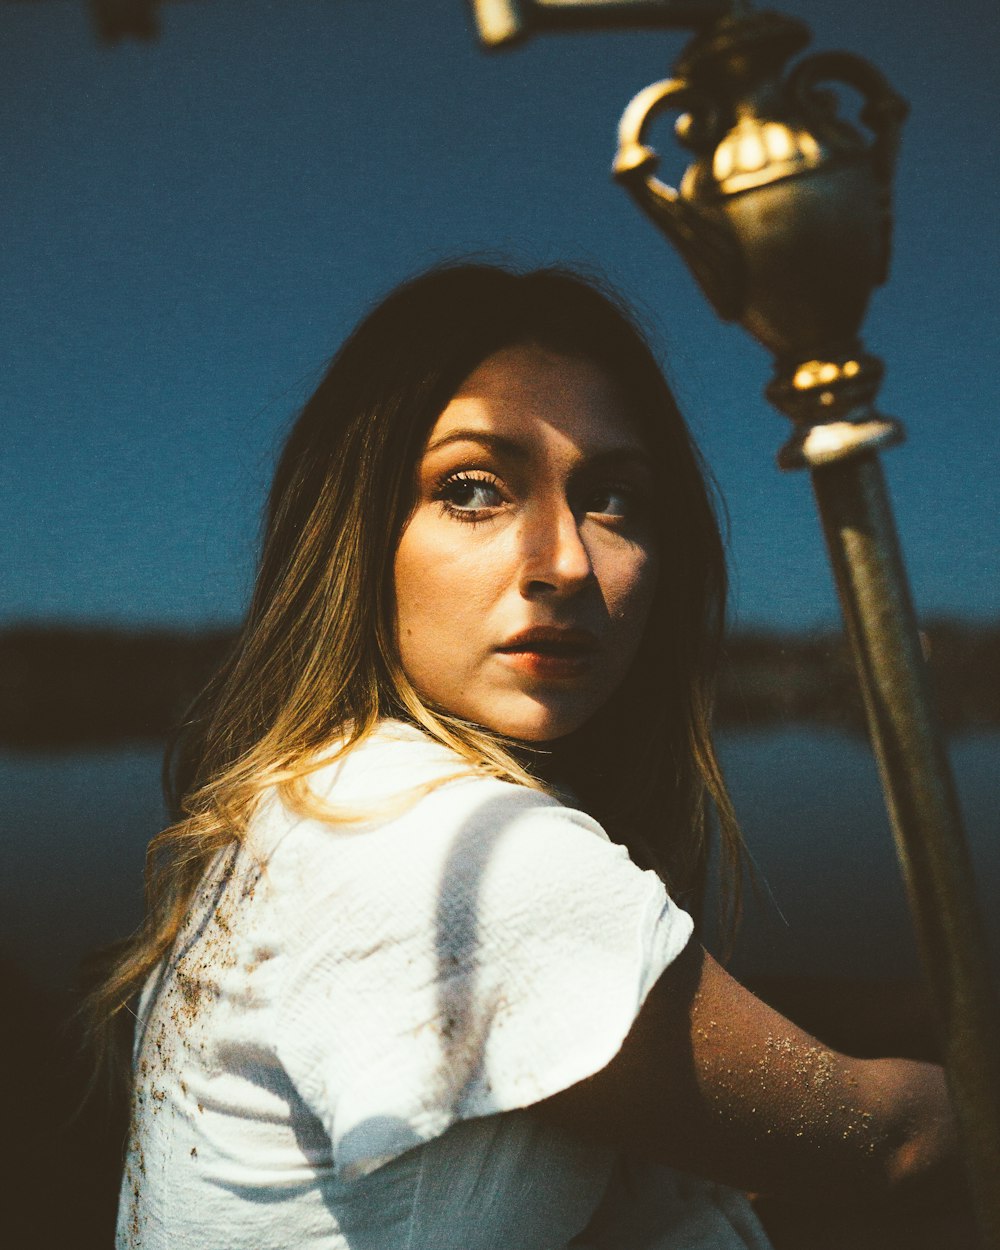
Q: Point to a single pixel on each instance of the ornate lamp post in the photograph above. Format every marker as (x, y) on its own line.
(784, 217)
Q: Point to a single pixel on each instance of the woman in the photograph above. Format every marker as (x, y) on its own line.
(412, 976)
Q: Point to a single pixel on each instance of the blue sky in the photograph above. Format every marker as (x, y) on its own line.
(191, 225)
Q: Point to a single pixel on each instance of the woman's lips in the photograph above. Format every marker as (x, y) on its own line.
(551, 653)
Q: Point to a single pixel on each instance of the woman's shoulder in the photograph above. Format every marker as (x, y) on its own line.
(399, 809)
(424, 788)
(393, 776)
(391, 759)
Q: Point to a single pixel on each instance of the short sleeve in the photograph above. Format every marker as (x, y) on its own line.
(480, 953)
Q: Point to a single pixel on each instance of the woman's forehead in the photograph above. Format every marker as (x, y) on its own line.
(527, 392)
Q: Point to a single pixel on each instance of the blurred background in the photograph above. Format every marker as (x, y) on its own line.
(194, 216)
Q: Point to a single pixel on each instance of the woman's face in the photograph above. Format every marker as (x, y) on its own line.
(525, 573)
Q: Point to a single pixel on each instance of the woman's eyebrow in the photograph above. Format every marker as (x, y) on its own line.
(608, 457)
(497, 443)
(628, 456)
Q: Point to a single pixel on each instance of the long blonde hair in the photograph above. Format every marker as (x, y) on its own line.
(316, 664)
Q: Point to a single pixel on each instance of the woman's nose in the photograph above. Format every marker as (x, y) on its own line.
(554, 554)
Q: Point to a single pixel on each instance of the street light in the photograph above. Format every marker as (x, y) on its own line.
(784, 218)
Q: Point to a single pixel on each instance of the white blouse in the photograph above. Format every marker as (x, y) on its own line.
(344, 1047)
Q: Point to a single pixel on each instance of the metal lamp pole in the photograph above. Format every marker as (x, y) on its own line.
(784, 218)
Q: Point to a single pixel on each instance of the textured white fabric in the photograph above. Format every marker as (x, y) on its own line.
(341, 1048)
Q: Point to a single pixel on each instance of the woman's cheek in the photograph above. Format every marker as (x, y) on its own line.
(636, 590)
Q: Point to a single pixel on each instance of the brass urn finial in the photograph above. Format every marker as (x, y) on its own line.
(784, 216)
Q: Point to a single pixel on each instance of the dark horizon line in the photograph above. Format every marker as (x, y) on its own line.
(64, 686)
(121, 627)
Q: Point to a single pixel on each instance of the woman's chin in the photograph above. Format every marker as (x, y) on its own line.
(536, 723)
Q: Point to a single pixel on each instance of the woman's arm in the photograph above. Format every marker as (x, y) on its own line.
(712, 1080)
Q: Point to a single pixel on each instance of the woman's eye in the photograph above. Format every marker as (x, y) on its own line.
(612, 501)
(468, 494)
